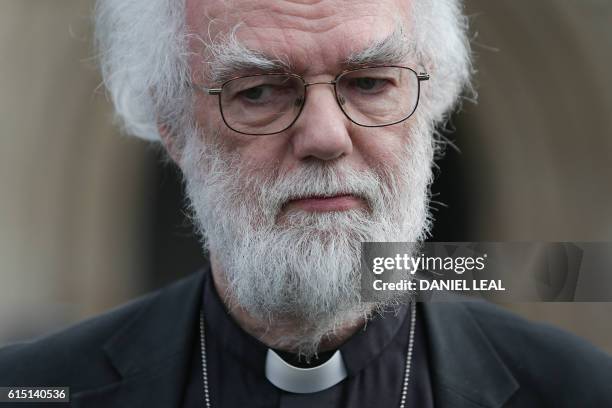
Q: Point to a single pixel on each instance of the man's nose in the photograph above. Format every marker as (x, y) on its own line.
(322, 130)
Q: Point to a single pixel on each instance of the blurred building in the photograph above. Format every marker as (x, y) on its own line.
(90, 218)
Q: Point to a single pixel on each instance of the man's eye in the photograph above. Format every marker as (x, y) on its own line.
(253, 94)
(368, 84)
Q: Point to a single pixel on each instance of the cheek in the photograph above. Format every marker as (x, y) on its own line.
(264, 152)
(254, 153)
(383, 147)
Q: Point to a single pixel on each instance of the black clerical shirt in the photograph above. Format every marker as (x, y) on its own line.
(375, 359)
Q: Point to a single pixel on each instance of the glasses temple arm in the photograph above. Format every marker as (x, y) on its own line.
(209, 91)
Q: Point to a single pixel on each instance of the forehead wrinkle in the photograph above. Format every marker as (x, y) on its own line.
(392, 49)
(231, 58)
(285, 40)
(313, 20)
(320, 17)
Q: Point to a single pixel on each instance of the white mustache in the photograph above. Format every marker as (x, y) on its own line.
(320, 181)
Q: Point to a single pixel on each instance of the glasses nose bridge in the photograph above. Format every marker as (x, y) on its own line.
(339, 99)
(307, 84)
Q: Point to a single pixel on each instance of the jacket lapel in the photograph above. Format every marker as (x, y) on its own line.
(466, 369)
(151, 353)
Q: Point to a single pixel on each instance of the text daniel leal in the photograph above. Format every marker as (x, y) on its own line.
(447, 285)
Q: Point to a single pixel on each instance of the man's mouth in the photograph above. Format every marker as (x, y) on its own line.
(321, 203)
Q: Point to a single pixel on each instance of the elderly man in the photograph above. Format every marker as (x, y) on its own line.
(302, 129)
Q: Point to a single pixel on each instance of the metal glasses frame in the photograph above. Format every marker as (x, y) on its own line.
(422, 76)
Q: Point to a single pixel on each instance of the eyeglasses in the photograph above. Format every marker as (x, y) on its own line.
(266, 104)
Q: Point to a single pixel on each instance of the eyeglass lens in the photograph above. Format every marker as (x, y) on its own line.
(265, 104)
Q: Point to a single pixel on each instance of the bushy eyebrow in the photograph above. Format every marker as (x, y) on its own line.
(230, 58)
(243, 61)
(393, 49)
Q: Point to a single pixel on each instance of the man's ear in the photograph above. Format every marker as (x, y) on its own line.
(169, 141)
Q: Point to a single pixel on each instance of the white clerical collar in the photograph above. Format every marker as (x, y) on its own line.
(304, 380)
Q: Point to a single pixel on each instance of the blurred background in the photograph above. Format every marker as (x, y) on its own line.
(90, 218)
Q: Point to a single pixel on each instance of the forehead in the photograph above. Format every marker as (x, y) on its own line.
(313, 36)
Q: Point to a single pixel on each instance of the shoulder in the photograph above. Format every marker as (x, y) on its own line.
(508, 330)
(109, 347)
(544, 358)
(73, 355)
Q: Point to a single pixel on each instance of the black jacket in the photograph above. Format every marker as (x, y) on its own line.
(481, 357)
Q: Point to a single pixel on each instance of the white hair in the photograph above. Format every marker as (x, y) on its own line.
(142, 48)
(440, 35)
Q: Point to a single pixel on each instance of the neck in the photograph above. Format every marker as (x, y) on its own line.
(277, 334)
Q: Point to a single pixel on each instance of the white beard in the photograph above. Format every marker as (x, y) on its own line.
(303, 267)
